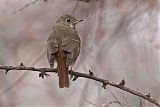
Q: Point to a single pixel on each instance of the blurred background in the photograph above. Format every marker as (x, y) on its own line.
(120, 39)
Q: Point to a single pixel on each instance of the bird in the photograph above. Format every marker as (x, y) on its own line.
(63, 46)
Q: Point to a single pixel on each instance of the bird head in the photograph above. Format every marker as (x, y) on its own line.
(68, 20)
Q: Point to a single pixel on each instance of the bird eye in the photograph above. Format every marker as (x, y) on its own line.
(68, 20)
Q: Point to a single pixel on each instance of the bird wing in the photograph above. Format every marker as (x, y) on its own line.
(69, 44)
(52, 48)
(72, 47)
(68, 40)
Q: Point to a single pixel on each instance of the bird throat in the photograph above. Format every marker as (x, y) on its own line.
(72, 26)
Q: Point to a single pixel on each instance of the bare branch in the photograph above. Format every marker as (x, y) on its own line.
(43, 71)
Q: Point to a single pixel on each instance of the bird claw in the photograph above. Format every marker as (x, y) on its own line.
(43, 74)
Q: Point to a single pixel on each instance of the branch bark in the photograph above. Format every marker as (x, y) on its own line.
(120, 85)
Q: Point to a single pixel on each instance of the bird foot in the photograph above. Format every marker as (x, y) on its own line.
(43, 73)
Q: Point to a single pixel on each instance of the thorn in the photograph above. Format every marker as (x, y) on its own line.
(104, 86)
(75, 78)
(122, 83)
(41, 75)
(22, 65)
(7, 70)
(91, 73)
(105, 82)
(148, 95)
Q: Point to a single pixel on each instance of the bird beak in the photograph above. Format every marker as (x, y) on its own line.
(77, 21)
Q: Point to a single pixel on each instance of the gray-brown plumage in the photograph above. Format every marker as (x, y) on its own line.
(63, 46)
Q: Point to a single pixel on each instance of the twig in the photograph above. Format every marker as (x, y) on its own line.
(87, 1)
(104, 105)
(116, 98)
(126, 100)
(95, 105)
(27, 5)
(112, 102)
(89, 76)
(140, 102)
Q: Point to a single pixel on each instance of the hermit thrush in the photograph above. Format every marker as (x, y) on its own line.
(63, 45)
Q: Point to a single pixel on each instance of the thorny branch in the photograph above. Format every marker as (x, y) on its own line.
(120, 85)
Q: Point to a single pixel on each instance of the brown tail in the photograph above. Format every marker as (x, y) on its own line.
(62, 68)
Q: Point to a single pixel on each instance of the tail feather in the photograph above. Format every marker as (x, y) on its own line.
(62, 68)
